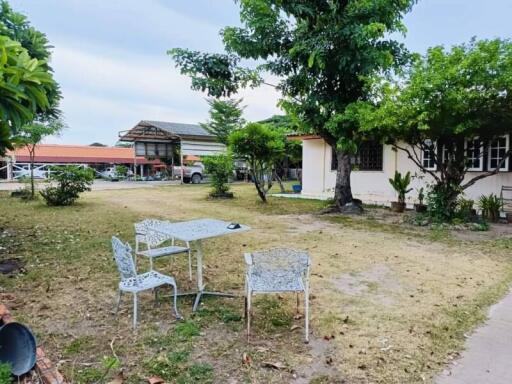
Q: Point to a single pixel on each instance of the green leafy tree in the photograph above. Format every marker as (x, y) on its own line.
(220, 168)
(259, 146)
(292, 154)
(225, 117)
(30, 135)
(449, 104)
(322, 51)
(28, 91)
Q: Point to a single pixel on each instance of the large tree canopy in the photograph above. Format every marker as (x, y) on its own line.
(322, 51)
(451, 104)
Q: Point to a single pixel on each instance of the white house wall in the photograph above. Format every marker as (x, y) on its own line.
(201, 148)
(373, 186)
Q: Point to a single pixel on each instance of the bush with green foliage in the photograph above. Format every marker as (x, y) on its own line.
(5, 373)
(121, 170)
(68, 182)
(465, 211)
(220, 168)
(491, 206)
(401, 185)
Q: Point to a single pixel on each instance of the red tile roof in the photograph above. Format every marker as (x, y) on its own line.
(56, 153)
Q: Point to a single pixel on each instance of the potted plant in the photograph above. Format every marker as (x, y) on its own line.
(420, 207)
(400, 184)
(491, 206)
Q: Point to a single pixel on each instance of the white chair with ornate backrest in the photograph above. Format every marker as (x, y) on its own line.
(135, 283)
(145, 234)
(274, 271)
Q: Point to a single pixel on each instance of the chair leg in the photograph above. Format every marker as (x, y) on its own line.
(157, 301)
(248, 298)
(306, 311)
(135, 310)
(189, 261)
(118, 302)
(298, 303)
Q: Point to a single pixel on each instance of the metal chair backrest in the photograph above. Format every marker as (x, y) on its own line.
(123, 258)
(281, 259)
(145, 232)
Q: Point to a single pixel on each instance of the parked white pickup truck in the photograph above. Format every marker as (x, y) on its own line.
(191, 173)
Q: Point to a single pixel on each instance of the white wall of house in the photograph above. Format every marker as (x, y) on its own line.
(201, 148)
(373, 186)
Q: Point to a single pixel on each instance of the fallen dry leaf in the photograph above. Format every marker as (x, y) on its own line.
(246, 359)
(156, 380)
(294, 327)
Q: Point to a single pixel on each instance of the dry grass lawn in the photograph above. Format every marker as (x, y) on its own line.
(390, 303)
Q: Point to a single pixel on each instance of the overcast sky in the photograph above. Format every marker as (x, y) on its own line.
(110, 55)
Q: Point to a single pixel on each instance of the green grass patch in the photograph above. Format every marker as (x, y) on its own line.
(448, 334)
(78, 346)
(186, 330)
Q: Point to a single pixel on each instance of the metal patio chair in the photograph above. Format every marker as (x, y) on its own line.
(275, 271)
(145, 234)
(134, 283)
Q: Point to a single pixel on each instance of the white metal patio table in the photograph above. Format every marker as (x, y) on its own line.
(194, 231)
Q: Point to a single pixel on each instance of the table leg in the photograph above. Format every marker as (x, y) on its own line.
(199, 262)
(200, 284)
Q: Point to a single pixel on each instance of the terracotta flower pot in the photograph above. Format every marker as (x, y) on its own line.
(397, 207)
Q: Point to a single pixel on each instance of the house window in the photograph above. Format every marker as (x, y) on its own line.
(428, 156)
(474, 154)
(498, 149)
(369, 157)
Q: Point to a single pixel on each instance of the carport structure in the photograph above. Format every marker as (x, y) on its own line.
(171, 142)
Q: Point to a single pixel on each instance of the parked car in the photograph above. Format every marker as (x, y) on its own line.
(110, 173)
(191, 173)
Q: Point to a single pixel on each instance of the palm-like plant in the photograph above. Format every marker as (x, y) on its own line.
(400, 184)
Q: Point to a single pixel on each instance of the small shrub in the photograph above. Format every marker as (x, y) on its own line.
(465, 211)
(220, 168)
(24, 193)
(121, 170)
(491, 206)
(71, 180)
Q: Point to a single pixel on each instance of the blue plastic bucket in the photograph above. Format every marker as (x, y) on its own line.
(17, 347)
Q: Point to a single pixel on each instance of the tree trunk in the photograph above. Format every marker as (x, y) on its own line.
(260, 188)
(32, 186)
(343, 190)
(280, 182)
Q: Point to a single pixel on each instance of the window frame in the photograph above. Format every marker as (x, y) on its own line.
(489, 151)
(434, 167)
(471, 159)
(369, 147)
